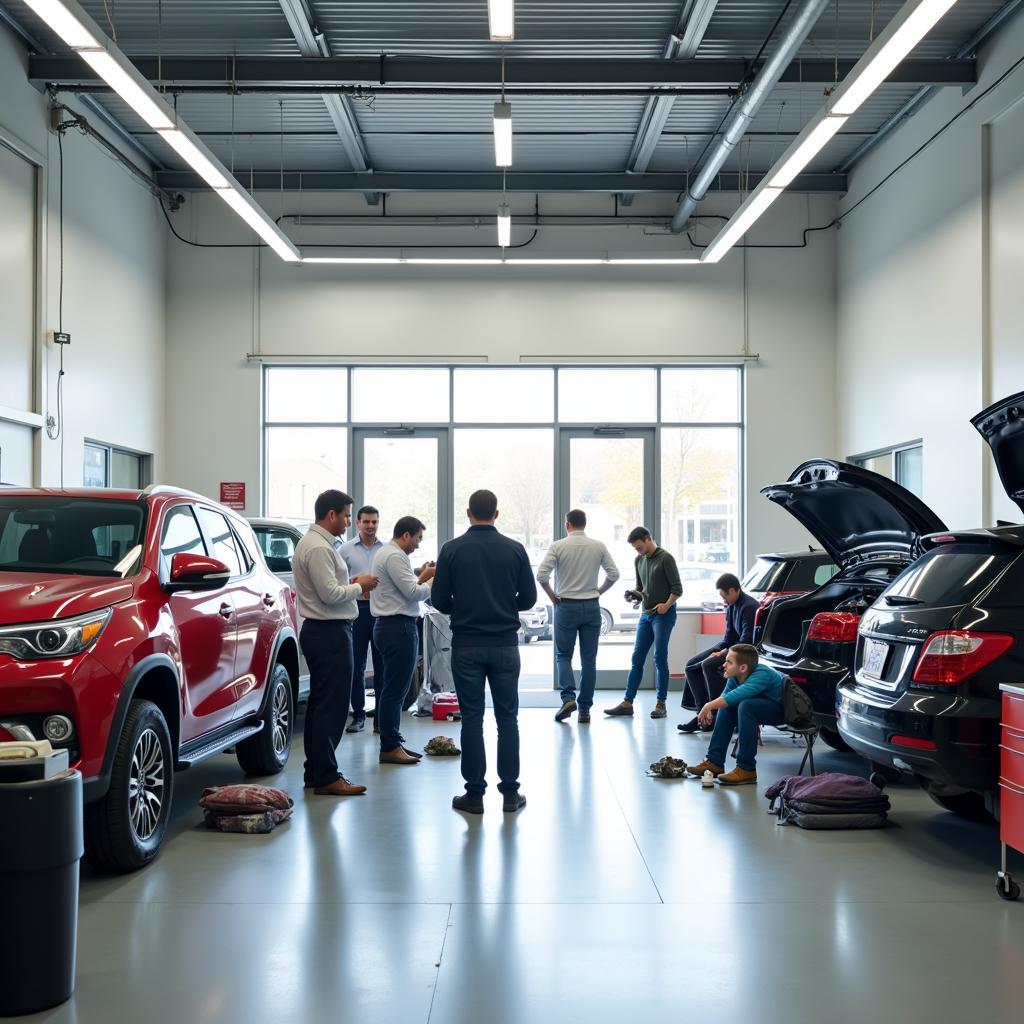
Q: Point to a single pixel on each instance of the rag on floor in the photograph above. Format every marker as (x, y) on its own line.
(246, 807)
(833, 800)
(668, 768)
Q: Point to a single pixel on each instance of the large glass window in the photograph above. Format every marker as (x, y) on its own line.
(301, 463)
(607, 395)
(405, 394)
(504, 395)
(307, 394)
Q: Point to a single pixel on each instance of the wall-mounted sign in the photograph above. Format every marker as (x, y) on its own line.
(232, 495)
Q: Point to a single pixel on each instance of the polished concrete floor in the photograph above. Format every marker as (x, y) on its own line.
(612, 897)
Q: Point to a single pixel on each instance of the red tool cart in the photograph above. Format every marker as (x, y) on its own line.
(1011, 785)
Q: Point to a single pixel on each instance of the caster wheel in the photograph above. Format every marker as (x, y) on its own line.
(877, 779)
(1007, 888)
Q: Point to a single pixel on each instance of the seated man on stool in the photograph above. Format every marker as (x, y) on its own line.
(705, 679)
(752, 697)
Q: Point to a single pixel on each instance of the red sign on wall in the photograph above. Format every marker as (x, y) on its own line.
(232, 495)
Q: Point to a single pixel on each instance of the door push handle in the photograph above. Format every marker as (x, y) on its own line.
(268, 600)
(226, 611)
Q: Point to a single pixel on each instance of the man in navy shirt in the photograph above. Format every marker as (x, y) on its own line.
(483, 581)
(705, 679)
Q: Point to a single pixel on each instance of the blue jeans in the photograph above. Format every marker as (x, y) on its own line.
(362, 638)
(398, 641)
(582, 618)
(651, 629)
(472, 668)
(748, 714)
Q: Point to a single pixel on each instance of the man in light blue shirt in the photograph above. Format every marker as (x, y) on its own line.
(358, 554)
(396, 613)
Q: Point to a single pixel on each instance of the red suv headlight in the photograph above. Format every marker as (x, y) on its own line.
(61, 638)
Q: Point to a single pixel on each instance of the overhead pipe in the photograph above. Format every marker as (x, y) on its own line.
(747, 107)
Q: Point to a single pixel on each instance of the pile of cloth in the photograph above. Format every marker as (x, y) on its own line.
(829, 801)
(442, 746)
(245, 808)
(668, 768)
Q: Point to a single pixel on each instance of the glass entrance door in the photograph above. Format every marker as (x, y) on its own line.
(404, 473)
(608, 472)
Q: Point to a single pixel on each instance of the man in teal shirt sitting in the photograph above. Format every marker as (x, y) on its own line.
(752, 697)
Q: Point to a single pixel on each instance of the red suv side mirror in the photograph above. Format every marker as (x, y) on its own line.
(196, 572)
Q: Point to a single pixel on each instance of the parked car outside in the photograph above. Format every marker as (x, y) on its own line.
(786, 574)
(717, 552)
(277, 539)
(930, 655)
(868, 526)
(143, 632)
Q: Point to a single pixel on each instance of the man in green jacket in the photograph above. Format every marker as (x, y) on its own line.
(659, 587)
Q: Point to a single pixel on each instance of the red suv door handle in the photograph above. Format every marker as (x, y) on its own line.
(226, 611)
(268, 600)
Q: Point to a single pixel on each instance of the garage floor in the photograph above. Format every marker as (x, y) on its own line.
(611, 897)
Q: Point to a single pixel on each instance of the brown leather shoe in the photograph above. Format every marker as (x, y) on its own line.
(340, 787)
(397, 756)
(624, 709)
(705, 766)
(738, 777)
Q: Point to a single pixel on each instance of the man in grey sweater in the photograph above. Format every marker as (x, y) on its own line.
(576, 562)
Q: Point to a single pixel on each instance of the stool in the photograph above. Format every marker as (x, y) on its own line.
(809, 734)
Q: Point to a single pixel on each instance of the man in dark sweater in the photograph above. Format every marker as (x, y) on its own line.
(659, 587)
(483, 581)
(705, 672)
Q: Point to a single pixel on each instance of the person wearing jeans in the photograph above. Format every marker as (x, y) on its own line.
(576, 562)
(659, 588)
(752, 697)
(483, 582)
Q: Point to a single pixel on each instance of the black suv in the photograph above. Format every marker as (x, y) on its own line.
(871, 528)
(933, 650)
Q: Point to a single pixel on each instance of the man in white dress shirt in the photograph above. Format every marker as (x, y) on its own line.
(395, 606)
(576, 562)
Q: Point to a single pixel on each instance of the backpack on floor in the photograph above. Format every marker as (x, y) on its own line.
(797, 709)
(832, 800)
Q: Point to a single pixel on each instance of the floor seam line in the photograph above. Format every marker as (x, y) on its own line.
(440, 961)
(636, 842)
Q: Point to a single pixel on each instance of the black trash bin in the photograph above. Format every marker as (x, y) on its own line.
(40, 847)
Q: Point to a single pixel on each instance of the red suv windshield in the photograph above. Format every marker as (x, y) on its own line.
(72, 536)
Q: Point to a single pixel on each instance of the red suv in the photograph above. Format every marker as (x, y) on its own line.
(143, 632)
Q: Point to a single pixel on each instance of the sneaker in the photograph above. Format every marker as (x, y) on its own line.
(738, 777)
(705, 766)
(513, 802)
(468, 803)
(659, 710)
(565, 711)
(356, 725)
(584, 717)
(691, 726)
(624, 709)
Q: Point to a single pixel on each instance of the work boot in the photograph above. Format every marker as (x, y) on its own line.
(565, 711)
(738, 777)
(468, 803)
(583, 718)
(621, 710)
(513, 802)
(705, 766)
(659, 710)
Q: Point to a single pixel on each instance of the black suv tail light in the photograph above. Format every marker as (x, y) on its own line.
(951, 656)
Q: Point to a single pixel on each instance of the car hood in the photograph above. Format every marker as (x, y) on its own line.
(854, 513)
(1002, 426)
(34, 597)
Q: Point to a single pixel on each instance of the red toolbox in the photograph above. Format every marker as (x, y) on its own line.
(445, 706)
(1011, 785)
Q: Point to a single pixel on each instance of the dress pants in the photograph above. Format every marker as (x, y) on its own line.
(362, 638)
(472, 668)
(327, 647)
(704, 679)
(398, 641)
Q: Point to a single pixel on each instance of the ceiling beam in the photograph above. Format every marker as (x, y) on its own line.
(491, 181)
(694, 19)
(374, 74)
(313, 43)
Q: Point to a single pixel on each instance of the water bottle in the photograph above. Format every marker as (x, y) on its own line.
(707, 780)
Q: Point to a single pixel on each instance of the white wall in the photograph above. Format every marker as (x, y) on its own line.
(224, 304)
(114, 288)
(929, 298)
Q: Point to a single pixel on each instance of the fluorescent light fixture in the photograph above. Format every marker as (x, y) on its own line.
(486, 261)
(740, 223)
(106, 66)
(503, 134)
(64, 23)
(501, 20)
(863, 81)
(247, 209)
(803, 151)
(504, 226)
(195, 158)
